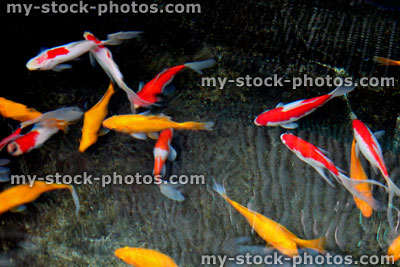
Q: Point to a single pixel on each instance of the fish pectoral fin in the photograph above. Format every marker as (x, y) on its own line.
(5, 174)
(171, 193)
(103, 131)
(169, 89)
(290, 125)
(163, 170)
(140, 136)
(61, 67)
(379, 134)
(140, 87)
(20, 208)
(321, 172)
(314, 244)
(172, 153)
(153, 135)
(92, 60)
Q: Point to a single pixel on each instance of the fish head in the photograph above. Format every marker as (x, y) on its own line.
(14, 149)
(259, 121)
(41, 62)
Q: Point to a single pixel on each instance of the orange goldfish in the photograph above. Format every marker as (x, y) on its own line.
(272, 232)
(22, 194)
(357, 173)
(136, 123)
(386, 61)
(16, 111)
(141, 257)
(394, 249)
(93, 118)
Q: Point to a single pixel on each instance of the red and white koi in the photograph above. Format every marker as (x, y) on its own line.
(103, 56)
(368, 145)
(31, 140)
(286, 115)
(45, 126)
(163, 151)
(150, 92)
(52, 58)
(313, 156)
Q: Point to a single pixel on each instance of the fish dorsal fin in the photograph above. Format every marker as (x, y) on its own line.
(140, 87)
(161, 73)
(92, 60)
(160, 116)
(379, 134)
(292, 105)
(280, 104)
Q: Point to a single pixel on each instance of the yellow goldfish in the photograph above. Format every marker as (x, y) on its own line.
(22, 194)
(136, 123)
(141, 257)
(272, 232)
(16, 111)
(394, 249)
(93, 119)
(357, 173)
(386, 61)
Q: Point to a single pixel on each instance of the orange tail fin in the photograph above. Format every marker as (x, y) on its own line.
(196, 125)
(386, 61)
(314, 244)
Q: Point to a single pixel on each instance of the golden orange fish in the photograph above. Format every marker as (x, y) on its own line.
(357, 173)
(141, 257)
(136, 123)
(93, 119)
(386, 61)
(22, 194)
(394, 249)
(272, 232)
(16, 111)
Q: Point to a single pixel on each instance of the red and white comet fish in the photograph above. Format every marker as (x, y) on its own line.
(286, 115)
(313, 156)
(149, 93)
(104, 57)
(163, 151)
(368, 145)
(52, 58)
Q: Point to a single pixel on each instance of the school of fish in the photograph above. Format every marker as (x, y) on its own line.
(35, 128)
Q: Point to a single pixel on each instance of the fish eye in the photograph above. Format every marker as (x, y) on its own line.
(12, 148)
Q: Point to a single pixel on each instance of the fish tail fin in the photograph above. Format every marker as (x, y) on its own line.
(171, 192)
(198, 66)
(124, 35)
(133, 98)
(197, 125)
(392, 187)
(219, 188)
(386, 61)
(389, 211)
(350, 185)
(75, 198)
(342, 90)
(314, 244)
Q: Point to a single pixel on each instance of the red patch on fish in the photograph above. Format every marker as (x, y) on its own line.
(57, 52)
(155, 87)
(308, 150)
(27, 141)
